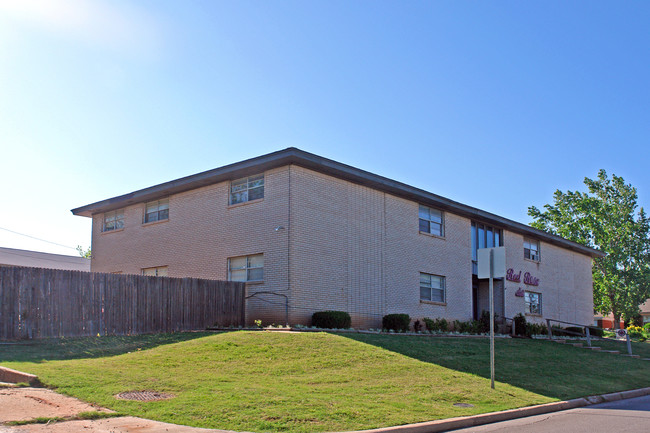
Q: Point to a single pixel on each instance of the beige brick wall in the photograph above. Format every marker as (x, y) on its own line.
(202, 232)
(565, 282)
(343, 247)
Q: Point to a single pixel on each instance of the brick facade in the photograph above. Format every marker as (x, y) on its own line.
(333, 244)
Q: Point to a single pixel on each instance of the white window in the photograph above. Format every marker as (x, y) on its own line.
(531, 249)
(533, 303)
(432, 288)
(247, 189)
(246, 268)
(431, 221)
(113, 220)
(156, 211)
(160, 271)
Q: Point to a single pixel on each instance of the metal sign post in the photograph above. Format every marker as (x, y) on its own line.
(492, 264)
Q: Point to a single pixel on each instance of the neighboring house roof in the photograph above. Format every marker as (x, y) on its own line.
(327, 166)
(36, 259)
(645, 308)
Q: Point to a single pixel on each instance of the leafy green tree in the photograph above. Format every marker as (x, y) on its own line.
(84, 253)
(606, 218)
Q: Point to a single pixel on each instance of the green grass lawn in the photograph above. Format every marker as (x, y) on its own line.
(263, 381)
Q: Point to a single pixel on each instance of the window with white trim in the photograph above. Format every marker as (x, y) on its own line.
(246, 268)
(113, 220)
(156, 211)
(533, 303)
(247, 189)
(531, 249)
(159, 271)
(431, 221)
(432, 288)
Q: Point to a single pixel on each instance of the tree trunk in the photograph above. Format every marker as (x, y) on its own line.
(617, 320)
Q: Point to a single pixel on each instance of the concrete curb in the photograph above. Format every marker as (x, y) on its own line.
(14, 376)
(488, 418)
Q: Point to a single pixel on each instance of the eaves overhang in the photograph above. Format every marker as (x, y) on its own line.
(317, 163)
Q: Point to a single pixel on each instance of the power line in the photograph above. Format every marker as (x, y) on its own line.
(38, 239)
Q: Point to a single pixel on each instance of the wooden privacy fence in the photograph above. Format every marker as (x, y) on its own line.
(39, 303)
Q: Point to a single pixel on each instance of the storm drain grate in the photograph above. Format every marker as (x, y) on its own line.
(143, 395)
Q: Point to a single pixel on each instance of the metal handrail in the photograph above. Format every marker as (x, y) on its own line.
(587, 333)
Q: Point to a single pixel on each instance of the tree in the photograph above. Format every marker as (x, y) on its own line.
(86, 254)
(606, 218)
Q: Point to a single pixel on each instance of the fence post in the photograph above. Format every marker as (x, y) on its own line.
(588, 336)
(629, 345)
(548, 328)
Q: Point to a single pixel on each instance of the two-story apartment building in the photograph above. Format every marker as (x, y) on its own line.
(309, 234)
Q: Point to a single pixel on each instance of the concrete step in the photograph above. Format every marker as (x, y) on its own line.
(615, 352)
(594, 348)
(560, 341)
(645, 359)
(632, 356)
(576, 344)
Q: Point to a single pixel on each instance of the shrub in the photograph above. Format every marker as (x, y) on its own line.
(331, 319)
(596, 332)
(396, 322)
(535, 329)
(519, 322)
(576, 329)
(646, 327)
(484, 320)
(469, 327)
(417, 326)
(637, 332)
(436, 325)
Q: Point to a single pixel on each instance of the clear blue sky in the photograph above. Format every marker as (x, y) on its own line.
(493, 104)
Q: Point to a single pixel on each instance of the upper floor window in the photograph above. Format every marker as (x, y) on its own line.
(156, 211)
(431, 221)
(160, 271)
(484, 236)
(533, 303)
(247, 189)
(113, 220)
(246, 268)
(531, 249)
(432, 288)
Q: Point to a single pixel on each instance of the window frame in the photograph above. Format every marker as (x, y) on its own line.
(532, 242)
(115, 214)
(245, 191)
(157, 212)
(157, 270)
(442, 288)
(528, 303)
(248, 268)
(431, 222)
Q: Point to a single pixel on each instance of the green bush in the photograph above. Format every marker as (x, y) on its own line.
(576, 329)
(440, 325)
(596, 332)
(647, 327)
(520, 324)
(396, 322)
(469, 327)
(535, 329)
(331, 320)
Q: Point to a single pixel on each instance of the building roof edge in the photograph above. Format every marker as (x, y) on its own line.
(314, 162)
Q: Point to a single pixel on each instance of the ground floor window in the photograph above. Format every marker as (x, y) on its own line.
(432, 287)
(533, 303)
(160, 271)
(246, 268)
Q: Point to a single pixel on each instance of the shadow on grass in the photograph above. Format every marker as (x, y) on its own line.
(546, 368)
(87, 347)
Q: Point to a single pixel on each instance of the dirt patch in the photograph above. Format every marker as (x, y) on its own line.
(22, 404)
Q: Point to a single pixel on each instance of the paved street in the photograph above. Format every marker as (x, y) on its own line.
(629, 416)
